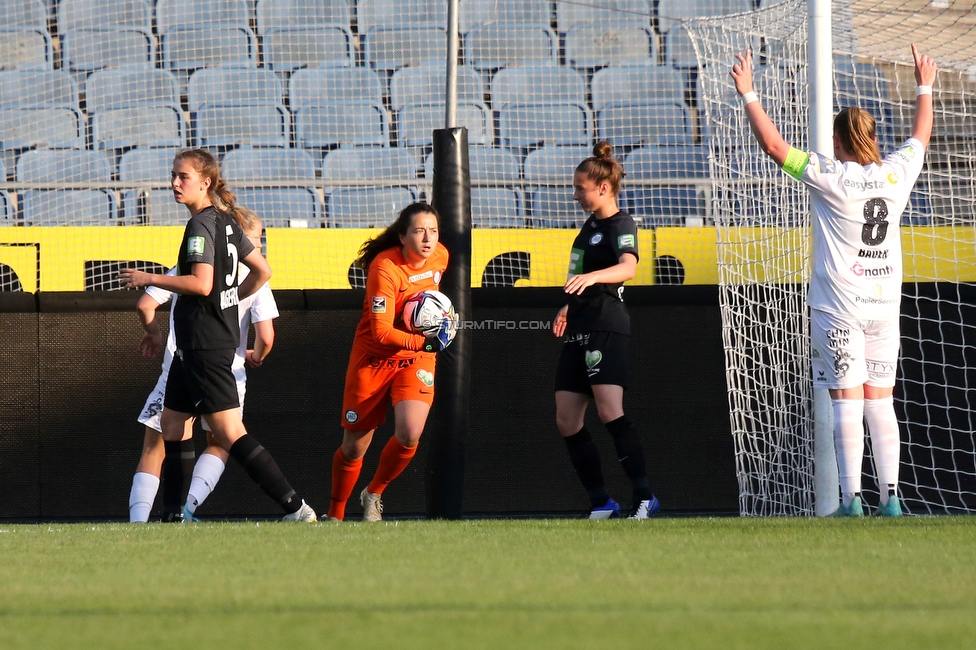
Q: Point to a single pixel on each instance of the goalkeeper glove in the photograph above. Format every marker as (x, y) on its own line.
(442, 337)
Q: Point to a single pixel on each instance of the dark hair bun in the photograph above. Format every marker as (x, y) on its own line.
(603, 150)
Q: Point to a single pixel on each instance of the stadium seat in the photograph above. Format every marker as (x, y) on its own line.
(25, 48)
(247, 164)
(555, 164)
(66, 207)
(368, 163)
(628, 124)
(327, 126)
(63, 166)
(554, 207)
(283, 207)
(637, 83)
(485, 164)
(672, 12)
(263, 125)
(679, 51)
(366, 207)
(20, 14)
(149, 125)
(426, 85)
(472, 13)
(233, 87)
(653, 161)
(530, 125)
(631, 12)
(192, 14)
(416, 123)
(274, 14)
(37, 88)
(114, 88)
(291, 48)
(497, 207)
(75, 14)
(25, 128)
(537, 85)
(374, 13)
(85, 49)
(390, 47)
(320, 86)
(496, 45)
(187, 49)
(595, 45)
(151, 206)
(8, 214)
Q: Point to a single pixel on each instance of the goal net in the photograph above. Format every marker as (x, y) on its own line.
(763, 227)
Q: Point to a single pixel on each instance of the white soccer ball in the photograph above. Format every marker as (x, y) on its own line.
(425, 312)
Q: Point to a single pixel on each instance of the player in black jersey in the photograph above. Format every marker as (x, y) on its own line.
(596, 327)
(201, 381)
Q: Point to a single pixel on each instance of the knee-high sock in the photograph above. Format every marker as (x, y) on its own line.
(393, 460)
(345, 473)
(175, 476)
(849, 445)
(141, 497)
(585, 458)
(264, 471)
(206, 473)
(885, 442)
(630, 453)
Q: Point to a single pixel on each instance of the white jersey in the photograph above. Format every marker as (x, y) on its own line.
(857, 265)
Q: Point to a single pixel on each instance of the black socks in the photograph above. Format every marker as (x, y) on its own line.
(263, 470)
(630, 453)
(175, 477)
(586, 461)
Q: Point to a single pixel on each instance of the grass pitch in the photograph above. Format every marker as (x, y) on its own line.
(668, 583)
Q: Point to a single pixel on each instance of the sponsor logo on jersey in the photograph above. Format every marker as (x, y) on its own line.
(390, 364)
(426, 377)
(352, 417)
(228, 298)
(860, 271)
(422, 276)
(379, 304)
(593, 359)
(596, 239)
(838, 337)
(195, 245)
(863, 186)
(437, 277)
(907, 152)
(575, 261)
(841, 365)
(878, 368)
(625, 241)
(874, 255)
(892, 178)
(821, 375)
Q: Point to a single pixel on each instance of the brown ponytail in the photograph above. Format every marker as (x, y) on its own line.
(602, 168)
(856, 130)
(206, 165)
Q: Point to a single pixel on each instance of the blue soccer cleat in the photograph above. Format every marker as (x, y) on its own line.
(608, 510)
(853, 510)
(188, 516)
(645, 509)
(892, 508)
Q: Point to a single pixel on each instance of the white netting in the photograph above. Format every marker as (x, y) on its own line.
(763, 227)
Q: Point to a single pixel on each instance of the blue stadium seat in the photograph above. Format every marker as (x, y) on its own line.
(631, 12)
(537, 85)
(153, 206)
(174, 14)
(472, 13)
(497, 207)
(555, 164)
(26, 128)
(320, 86)
(18, 14)
(679, 51)
(37, 88)
(390, 47)
(262, 125)
(247, 164)
(149, 125)
(485, 164)
(327, 126)
(66, 207)
(374, 13)
(368, 163)
(366, 207)
(627, 124)
(671, 12)
(496, 45)
(553, 206)
(637, 83)
(283, 207)
(187, 49)
(416, 123)
(233, 87)
(25, 48)
(654, 161)
(292, 48)
(273, 14)
(594, 45)
(529, 125)
(75, 14)
(85, 49)
(425, 85)
(115, 88)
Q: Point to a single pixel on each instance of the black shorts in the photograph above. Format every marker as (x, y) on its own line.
(201, 381)
(590, 359)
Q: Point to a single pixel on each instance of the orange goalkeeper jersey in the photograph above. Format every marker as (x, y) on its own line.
(389, 282)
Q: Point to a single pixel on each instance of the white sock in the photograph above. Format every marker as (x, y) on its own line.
(849, 445)
(142, 496)
(885, 442)
(206, 473)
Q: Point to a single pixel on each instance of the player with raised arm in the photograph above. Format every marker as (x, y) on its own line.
(201, 380)
(855, 289)
(596, 327)
(388, 363)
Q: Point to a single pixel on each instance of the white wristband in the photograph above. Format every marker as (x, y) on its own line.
(749, 97)
(923, 90)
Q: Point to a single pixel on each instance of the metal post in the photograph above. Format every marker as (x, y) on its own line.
(453, 47)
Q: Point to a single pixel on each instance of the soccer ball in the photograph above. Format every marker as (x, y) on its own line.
(424, 313)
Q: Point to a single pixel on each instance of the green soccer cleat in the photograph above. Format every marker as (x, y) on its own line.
(853, 510)
(890, 509)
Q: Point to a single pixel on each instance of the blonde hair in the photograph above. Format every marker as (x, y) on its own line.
(246, 218)
(206, 165)
(856, 130)
(602, 168)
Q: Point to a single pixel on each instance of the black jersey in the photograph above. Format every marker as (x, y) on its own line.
(211, 322)
(599, 245)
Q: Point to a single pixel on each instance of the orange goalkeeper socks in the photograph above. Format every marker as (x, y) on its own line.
(393, 460)
(345, 473)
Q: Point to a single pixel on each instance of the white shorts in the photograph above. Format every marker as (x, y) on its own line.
(154, 404)
(848, 352)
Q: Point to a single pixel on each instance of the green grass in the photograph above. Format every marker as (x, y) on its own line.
(668, 583)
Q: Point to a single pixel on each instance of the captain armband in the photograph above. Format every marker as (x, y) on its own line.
(796, 163)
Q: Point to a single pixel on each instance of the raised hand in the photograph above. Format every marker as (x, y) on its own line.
(742, 73)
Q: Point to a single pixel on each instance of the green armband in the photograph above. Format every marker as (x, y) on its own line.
(796, 163)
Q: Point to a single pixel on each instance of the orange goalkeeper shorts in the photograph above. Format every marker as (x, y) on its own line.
(372, 383)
